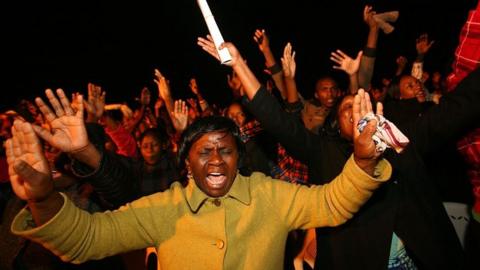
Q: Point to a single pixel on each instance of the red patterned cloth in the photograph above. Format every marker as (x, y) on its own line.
(467, 59)
(467, 54)
(290, 169)
(125, 141)
(250, 130)
(4, 177)
(469, 147)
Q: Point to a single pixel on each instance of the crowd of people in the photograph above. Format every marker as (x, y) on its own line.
(272, 181)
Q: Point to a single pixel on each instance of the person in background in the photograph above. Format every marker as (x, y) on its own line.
(220, 215)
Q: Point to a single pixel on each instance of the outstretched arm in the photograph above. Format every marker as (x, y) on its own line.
(95, 104)
(423, 45)
(401, 62)
(68, 132)
(271, 64)
(365, 153)
(289, 68)
(287, 128)
(334, 203)
(194, 88)
(349, 65)
(179, 116)
(249, 81)
(164, 90)
(367, 63)
(30, 174)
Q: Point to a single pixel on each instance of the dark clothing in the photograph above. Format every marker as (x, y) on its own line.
(444, 164)
(404, 111)
(408, 205)
(17, 253)
(10, 245)
(120, 179)
(259, 149)
(157, 177)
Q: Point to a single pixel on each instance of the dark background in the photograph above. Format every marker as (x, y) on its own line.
(118, 44)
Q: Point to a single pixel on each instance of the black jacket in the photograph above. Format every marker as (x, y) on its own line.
(408, 204)
(120, 179)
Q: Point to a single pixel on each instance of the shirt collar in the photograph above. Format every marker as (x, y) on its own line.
(239, 191)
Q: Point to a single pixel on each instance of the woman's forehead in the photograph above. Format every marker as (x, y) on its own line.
(214, 137)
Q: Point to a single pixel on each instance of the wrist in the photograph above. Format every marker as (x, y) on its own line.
(80, 149)
(274, 69)
(43, 210)
(367, 165)
(238, 63)
(370, 51)
(88, 155)
(91, 119)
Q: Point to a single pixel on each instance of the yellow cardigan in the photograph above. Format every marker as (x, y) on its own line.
(245, 229)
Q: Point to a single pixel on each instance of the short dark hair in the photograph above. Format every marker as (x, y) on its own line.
(205, 125)
(116, 115)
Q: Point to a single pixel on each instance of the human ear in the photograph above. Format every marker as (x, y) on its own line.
(187, 166)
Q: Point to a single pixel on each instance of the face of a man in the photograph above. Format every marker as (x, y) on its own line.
(213, 160)
(326, 91)
(410, 87)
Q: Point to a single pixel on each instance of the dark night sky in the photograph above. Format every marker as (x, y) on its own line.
(117, 44)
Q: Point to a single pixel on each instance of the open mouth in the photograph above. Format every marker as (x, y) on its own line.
(216, 180)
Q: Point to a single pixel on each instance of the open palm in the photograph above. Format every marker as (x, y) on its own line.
(24, 149)
(68, 132)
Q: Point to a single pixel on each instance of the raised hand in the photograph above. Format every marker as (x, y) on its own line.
(401, 61)
(423, 44)
(365, 152)
(179, 116)
(345, 62)
(368, 14)
(28, 168)
(95, 103)
(261, 39)
(145, 96)
(164, 92)
(288, 62)
(193, 103)
(208, 46)
(249, 82)
(193, 86)
(401, 64)
(68, 132)
(163, 85)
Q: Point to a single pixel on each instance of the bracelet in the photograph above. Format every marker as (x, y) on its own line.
(276, 68)
(370, 52)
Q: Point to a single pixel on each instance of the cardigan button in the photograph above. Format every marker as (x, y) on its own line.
(217, 202)
(220, 244)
